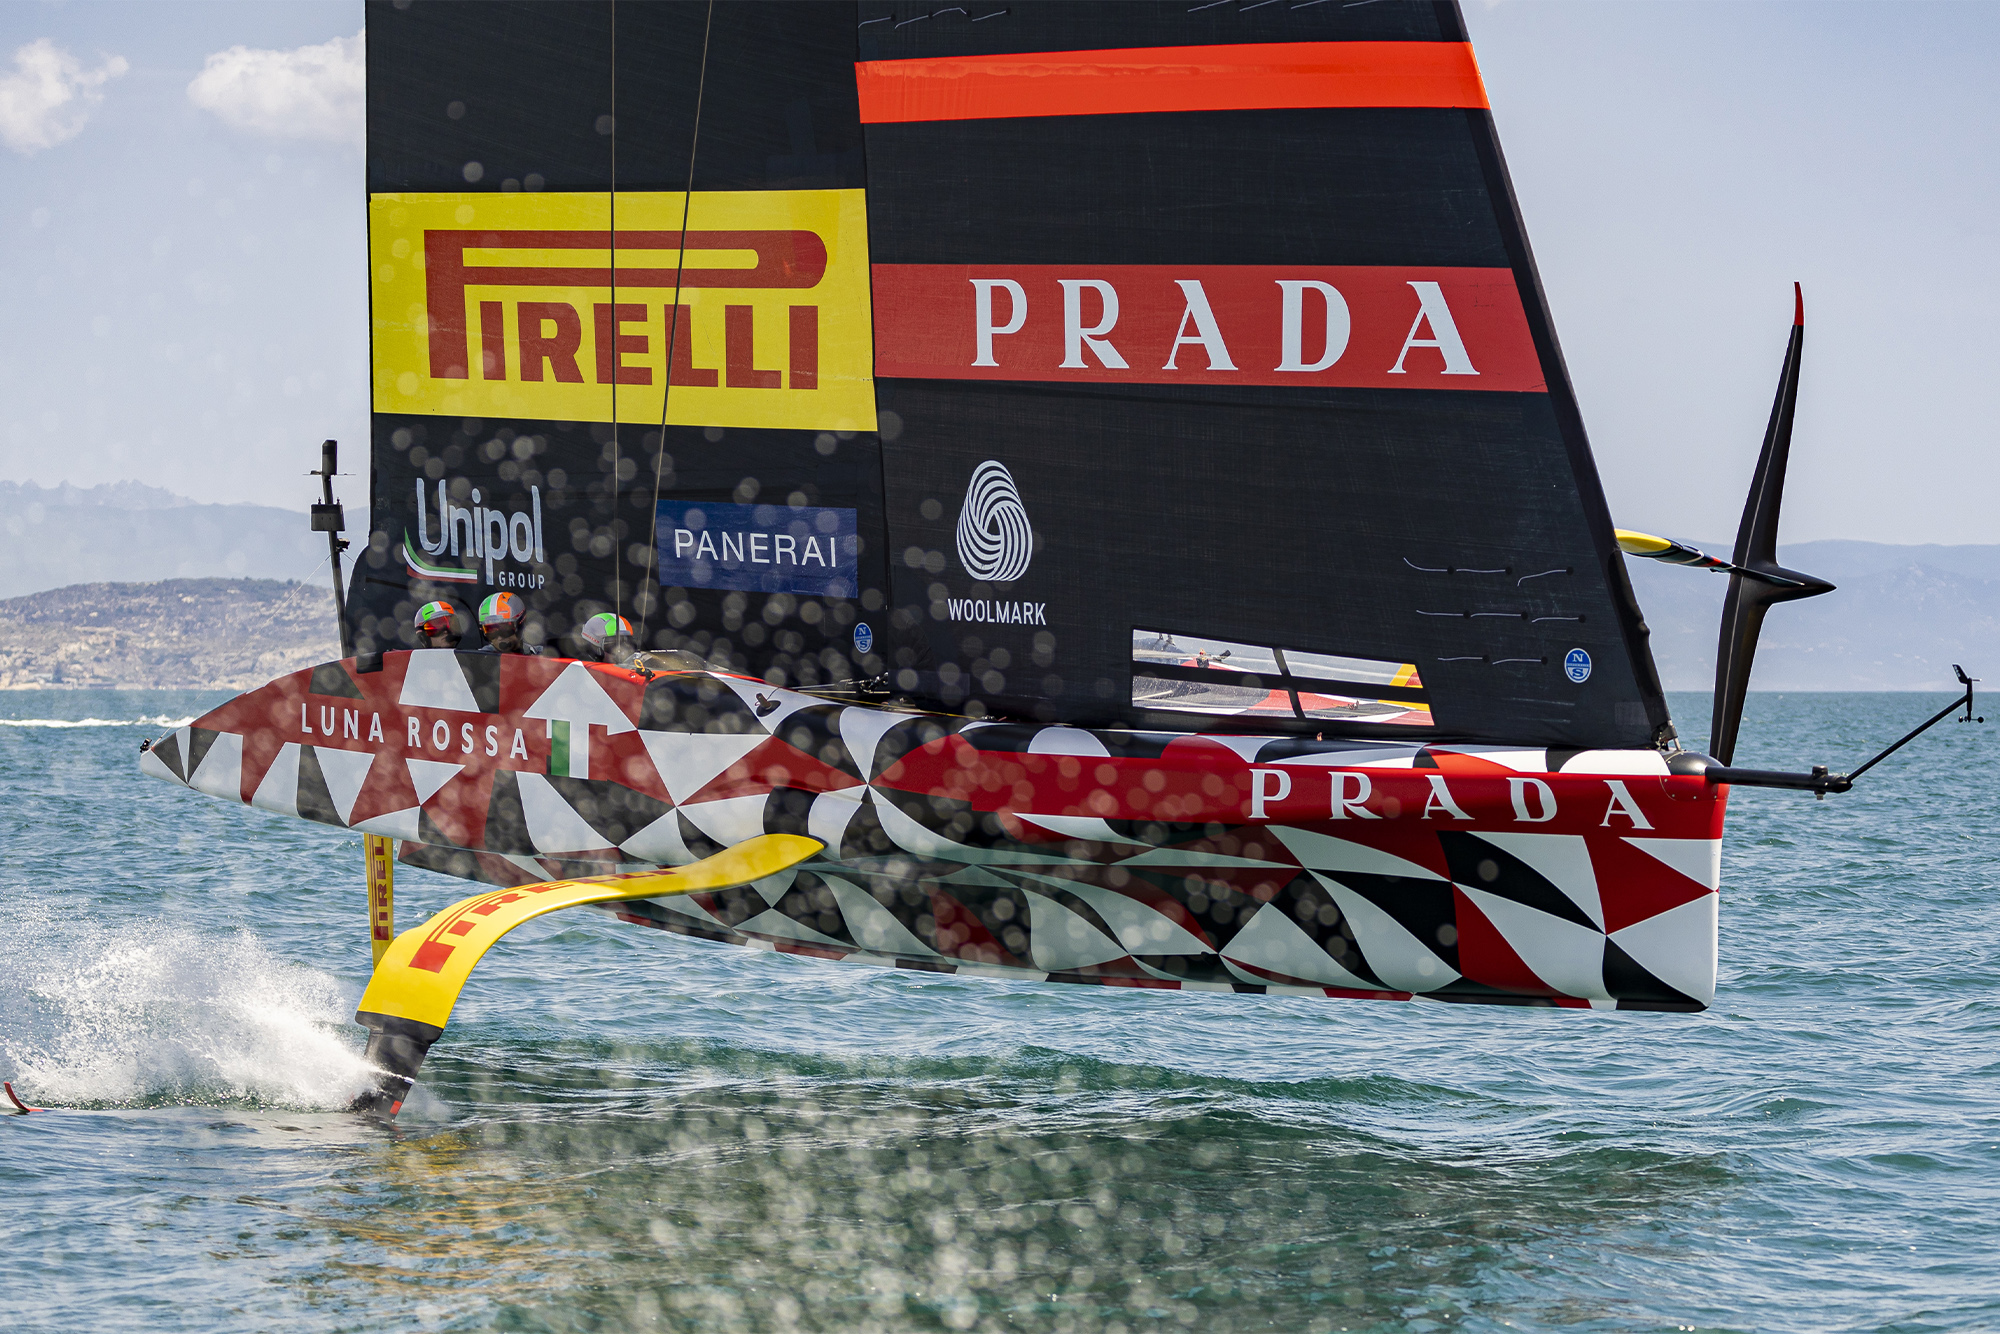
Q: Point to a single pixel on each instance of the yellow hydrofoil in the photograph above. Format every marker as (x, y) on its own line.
(417, 981)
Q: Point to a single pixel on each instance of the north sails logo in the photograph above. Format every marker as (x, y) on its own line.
(995, 542)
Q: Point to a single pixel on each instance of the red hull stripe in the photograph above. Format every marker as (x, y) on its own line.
(1251, 77)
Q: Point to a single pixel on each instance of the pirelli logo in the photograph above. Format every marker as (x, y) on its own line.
(535, 306)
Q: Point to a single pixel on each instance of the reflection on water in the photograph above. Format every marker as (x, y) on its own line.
(628, 1132)
(744, 1193)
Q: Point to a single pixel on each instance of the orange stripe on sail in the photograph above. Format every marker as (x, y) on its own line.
(1256, 76)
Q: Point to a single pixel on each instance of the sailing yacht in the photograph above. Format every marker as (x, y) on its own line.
(1102, 477)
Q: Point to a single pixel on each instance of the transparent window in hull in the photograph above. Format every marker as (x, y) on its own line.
(1175, 672)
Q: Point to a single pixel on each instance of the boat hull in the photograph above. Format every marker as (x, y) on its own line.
(1206, 861)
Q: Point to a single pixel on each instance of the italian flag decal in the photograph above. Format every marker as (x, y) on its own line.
(566, 761)
(424, 569)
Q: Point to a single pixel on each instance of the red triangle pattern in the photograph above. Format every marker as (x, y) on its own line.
(387, 788)
(774, 763)
(1485, 956)
(1636, 885)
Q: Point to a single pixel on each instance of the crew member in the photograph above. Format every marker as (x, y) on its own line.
(607, 637)
(434, 625)
(500, 618)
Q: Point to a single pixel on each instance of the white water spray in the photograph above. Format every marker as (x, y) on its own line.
(155, 1014)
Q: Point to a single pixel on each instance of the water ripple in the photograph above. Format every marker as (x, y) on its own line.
(625, 1131)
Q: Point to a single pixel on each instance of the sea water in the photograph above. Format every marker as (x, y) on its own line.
(626, 1130)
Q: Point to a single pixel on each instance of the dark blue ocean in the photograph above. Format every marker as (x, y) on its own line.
(625, 1130)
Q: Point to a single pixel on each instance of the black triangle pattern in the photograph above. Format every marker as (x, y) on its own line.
(1478, 864)
(811, 904)
(1423, 907)
(1075, 903)
(1626, 978)
(315, 802)
(330, 678)
(1314, 911)
(815, 731)
(1221, 909)
(788, 809)
(696, 703)
(615, 811)
(865, 836)
(506, 823)
(697, 843)
(167, 750)
(482, 677)
(200, 739)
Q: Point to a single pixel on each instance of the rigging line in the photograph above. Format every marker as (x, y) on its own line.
(645, 608)
(617, 538)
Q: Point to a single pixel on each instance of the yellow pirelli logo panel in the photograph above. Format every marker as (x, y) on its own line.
(504, 305)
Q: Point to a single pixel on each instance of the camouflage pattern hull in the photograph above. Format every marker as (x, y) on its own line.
(1211, 861)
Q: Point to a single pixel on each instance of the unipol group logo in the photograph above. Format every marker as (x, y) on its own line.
(995, 542)
(481, 533)
(752, 307)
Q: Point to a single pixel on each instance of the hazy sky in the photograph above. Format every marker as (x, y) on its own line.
(183, 250)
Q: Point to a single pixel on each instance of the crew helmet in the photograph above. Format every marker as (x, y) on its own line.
(604, 627)
(501, 611)
(434, 618)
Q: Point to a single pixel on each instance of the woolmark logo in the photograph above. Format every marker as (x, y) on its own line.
(995, 542)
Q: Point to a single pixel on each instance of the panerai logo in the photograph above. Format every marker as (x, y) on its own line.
(484, 534)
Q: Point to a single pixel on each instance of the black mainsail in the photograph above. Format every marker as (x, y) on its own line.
(563, 199)
(1100, 363)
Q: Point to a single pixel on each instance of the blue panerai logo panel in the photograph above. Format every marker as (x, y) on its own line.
(1576, 665)
(807, 549)
(864, 638)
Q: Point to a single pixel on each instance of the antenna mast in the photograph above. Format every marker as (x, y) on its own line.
(327, 518)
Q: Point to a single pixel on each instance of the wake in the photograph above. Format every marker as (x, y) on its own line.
(151, 1014)
(152, 720)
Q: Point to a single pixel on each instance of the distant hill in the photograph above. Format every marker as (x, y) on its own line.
(1899, 618)
(58, 535)
(223, 634)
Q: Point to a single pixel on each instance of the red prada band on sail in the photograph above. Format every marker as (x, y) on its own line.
(1350, 327)
(1249, 76)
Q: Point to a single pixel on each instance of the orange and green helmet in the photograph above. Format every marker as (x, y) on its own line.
(434, 618)
(502, 609)
(604, 627)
